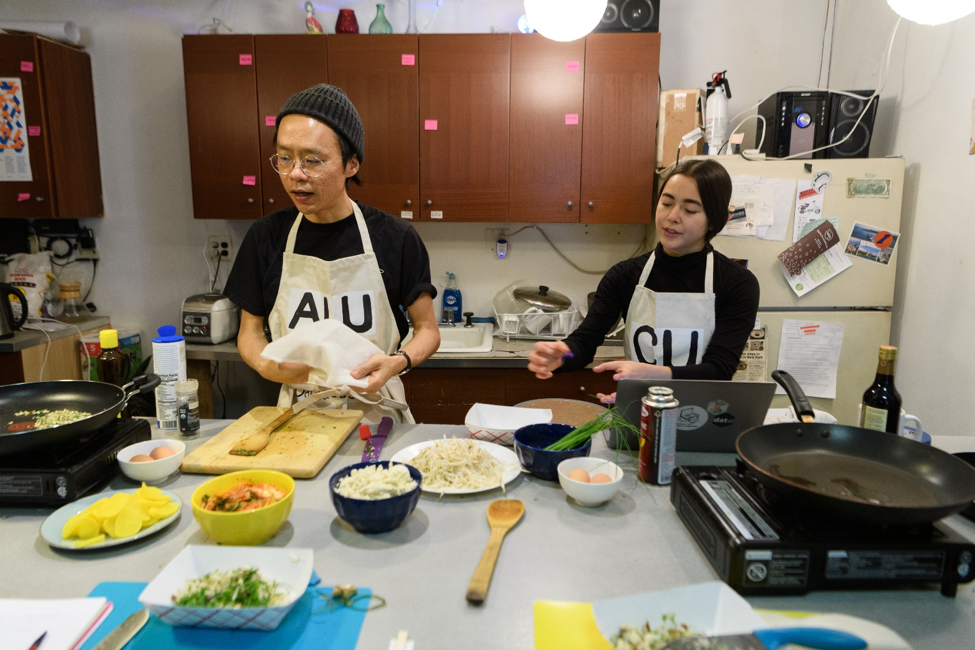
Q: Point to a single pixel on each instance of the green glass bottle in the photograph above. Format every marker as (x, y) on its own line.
(380, 25)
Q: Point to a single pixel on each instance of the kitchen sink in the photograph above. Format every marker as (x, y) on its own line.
(464, 340)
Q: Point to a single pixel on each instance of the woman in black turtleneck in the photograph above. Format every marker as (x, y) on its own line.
(675, 327)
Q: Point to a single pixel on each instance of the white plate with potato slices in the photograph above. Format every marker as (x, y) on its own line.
(54, 527)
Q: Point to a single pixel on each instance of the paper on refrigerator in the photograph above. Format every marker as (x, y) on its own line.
(766, 204)
(810, 352)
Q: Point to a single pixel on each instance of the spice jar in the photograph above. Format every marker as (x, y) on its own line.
(188, 408)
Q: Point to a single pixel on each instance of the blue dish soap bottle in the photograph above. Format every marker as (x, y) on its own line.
(452, 299)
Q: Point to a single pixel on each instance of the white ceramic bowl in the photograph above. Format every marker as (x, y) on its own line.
(289, 567)
(590, 494)
(492, 423)
(151, 471)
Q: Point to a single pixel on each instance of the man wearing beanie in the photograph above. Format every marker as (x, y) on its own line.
(329, 257)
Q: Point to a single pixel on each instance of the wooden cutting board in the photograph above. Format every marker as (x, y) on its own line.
(300, 448)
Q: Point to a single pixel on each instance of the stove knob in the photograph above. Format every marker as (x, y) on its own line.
(63, 492)
(965, 564)
(61, 481)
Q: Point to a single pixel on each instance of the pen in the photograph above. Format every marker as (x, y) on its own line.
(37, 644)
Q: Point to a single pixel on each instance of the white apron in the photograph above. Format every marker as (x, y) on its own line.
(351, 290)
(669, 329)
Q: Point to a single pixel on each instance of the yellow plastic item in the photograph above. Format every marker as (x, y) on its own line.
(561, 625)
(244, 528)
(91, 541)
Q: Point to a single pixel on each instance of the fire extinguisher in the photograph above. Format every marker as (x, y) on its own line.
(716, 112)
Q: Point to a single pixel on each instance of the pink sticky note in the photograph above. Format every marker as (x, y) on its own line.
(250, 180)
(270, 120)
(246, 59)
(572, 66)
(33, 130)
(26, 66)
(429, 125)
(409, 59)
(23, 196)
(571, 118)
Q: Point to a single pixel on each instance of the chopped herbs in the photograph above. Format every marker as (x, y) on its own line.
(244, 587)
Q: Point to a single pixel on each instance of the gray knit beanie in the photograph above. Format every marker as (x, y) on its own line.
(328, 104)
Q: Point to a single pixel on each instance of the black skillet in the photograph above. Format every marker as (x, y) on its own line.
(18, 401)
(854, 474)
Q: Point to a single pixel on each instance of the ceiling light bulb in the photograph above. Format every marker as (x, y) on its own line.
(932, 12)
(564, 20)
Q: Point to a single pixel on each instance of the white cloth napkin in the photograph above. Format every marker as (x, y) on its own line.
(331, 348)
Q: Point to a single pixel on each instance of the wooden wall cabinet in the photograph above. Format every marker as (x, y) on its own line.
(59, 128)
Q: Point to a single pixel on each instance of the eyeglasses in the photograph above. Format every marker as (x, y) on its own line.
(310, 165)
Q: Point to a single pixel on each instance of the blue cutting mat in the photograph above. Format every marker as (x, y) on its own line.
(302, 628)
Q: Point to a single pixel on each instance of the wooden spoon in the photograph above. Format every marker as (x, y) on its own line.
(255, 442)
(502, 514)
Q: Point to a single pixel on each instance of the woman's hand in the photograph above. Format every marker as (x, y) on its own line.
(546, 357)
(634, 370)
(378, 370)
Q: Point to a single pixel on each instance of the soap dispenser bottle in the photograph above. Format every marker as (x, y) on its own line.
(452, 299)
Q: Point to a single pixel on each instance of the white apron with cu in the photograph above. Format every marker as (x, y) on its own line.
(350, 290)
(669, 329)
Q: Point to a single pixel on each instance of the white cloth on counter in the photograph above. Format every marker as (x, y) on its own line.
(774, 416)
(877, 636)
(330, 347)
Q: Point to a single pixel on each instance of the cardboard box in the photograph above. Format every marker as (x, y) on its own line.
(679, 115)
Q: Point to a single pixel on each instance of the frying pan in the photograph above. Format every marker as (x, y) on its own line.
(103, 401)
(856, 474)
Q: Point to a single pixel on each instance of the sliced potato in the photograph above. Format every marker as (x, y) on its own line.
(91, 541)
(164, 511)
(70, 528)
(88, 527)
(128, 523)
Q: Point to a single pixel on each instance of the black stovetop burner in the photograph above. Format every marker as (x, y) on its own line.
(762, 544)
(56, 476)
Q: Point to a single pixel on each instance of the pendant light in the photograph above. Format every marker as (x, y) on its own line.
(564, 20)
(932, 12)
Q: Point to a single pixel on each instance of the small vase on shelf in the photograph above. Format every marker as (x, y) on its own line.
(380, 25)
(411, 26)
(346, 23)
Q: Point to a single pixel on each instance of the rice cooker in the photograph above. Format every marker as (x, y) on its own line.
(210, 318)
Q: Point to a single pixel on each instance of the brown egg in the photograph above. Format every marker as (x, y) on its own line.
(601, 478)
(141, 458)
(161, 452)
(579, 474)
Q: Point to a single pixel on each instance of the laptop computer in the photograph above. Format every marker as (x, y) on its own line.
(711, 413)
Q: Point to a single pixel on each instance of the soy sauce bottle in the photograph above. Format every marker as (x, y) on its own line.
(110, 361)
(881, 410)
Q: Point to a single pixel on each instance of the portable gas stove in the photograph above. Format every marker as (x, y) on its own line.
(53, 477)
(762, 546)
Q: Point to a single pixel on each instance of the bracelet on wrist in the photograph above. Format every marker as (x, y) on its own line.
(409, 362)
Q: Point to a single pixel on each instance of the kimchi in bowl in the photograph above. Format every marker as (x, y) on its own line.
(244, 508)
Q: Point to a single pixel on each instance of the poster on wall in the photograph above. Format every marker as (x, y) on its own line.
(14, 152)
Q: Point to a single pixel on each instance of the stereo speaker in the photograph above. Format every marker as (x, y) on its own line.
(795, 122)
(630, 16)
(843, 115)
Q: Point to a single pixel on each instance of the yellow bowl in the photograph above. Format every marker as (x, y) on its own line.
(244, 528)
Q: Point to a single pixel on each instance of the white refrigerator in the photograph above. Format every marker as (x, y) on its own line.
(860, 297)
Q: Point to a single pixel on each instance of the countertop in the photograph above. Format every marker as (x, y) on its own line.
(559, 551)
(506, 354)
(27, 338)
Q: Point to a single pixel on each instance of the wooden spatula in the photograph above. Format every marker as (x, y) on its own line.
(255, 442)
(502, 514)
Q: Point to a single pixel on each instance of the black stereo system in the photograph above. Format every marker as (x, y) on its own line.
(630, 16)
(797, 122)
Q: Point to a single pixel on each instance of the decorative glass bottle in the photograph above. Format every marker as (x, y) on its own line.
(346, 23)
(380, 25)
(411, 27)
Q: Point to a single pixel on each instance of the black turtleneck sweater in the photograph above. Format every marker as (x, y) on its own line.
(735, 305)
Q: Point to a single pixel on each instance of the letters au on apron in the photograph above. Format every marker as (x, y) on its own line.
(669, 329)
(351, 290)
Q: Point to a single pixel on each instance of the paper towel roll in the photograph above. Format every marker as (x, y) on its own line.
(65, 32)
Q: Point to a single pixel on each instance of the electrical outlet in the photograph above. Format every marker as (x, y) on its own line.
(218, 247)
(491, 237)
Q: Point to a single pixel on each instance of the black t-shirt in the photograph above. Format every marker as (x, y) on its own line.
(402, 257)
(735, 306)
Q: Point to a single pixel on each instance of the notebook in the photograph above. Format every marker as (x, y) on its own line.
(67, 623)
(711, 414)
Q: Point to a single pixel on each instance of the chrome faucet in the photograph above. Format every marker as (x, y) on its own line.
(448, 318)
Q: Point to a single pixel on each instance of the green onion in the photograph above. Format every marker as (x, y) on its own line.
(581, 434)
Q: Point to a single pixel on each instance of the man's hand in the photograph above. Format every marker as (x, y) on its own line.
(379, 369)
(547, 356)
(634, 370)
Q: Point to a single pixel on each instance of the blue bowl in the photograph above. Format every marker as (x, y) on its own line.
(370, 516)
(530, 443)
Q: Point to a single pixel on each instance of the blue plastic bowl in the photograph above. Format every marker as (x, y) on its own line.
(530, 443)
(379, 515)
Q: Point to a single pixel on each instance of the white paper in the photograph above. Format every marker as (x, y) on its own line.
(67, 622)
(768, 204)
(809, 207)
(14, 148)
(810, 352)
(822, 269)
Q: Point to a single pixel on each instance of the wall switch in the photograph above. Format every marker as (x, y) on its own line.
(218, 246)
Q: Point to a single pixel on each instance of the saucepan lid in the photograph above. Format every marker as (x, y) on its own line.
(543, 298)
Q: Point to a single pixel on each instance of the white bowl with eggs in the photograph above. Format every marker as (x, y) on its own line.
(590, 481)
(151, 461)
